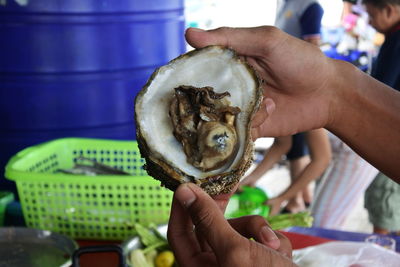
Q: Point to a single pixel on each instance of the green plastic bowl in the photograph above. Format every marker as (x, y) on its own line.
(248, 202)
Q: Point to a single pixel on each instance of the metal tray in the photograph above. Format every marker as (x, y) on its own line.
(27, 247)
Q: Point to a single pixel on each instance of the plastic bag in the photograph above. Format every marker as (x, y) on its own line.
(346, 254)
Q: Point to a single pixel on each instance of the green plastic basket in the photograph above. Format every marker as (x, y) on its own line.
(5, 198)
(87, 207)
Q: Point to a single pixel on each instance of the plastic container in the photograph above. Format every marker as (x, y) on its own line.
(250, 201)
(74, 64)
(87, 207)
(5, 199)
(13, 141)
(73, 68)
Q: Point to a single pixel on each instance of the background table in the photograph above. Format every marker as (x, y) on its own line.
(337, 235)
(300, 237)
(298, 241)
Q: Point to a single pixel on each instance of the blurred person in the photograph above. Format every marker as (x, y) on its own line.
(320, 154)
(384, 16)
(348, 8)
(341, 186)
(348, 176)
(341, 98)
(301, 19)
(358, 36)
(382, 198)
(349, 15)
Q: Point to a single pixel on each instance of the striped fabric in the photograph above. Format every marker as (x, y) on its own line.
(341, 186)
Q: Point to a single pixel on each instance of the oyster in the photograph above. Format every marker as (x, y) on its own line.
(193, 120)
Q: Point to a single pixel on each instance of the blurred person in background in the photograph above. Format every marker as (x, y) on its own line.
(301, 19)
(349, 175)
(348, 8)
(320, 155)
(358, 41)
(341, 186)
(382, 198)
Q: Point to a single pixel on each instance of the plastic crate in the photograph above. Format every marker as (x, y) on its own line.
(5, 199)
(87, 207)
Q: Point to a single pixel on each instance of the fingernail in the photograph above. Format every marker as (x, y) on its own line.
(269, 106)
(197, 29)
(269, 237)
(287, 255)
(185, 196)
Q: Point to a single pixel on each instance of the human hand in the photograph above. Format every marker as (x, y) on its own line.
(200, 235)
(223, 199)
(295, 76)
(275, 204)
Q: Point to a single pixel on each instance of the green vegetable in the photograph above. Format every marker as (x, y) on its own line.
(152, 241)
(155, 246)
(151, 257)
(149, 236)
(281, 221)
(138, 259)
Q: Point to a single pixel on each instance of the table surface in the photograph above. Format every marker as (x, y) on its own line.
(106, 259)
(300, 237)
(337, 235)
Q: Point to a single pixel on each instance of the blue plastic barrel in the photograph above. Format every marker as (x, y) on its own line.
(73, 68)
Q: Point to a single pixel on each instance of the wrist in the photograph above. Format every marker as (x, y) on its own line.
(343, 86)
(364, 109)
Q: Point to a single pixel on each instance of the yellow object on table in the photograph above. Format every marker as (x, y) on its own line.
(165, 259)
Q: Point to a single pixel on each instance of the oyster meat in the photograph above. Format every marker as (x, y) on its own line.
(193, 119)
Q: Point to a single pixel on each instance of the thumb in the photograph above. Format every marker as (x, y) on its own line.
(206, 216)
(266, 109)
(245, 41)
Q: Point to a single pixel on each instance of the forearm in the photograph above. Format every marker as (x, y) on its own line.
(280, 147)
(260, 170)
(366, 115)
(270, 159)
(312, 172)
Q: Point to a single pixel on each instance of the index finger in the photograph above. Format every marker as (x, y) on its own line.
(245, 41)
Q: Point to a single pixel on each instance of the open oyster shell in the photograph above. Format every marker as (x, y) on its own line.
(231, 80)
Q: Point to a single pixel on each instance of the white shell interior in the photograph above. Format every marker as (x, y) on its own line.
(213, 66)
